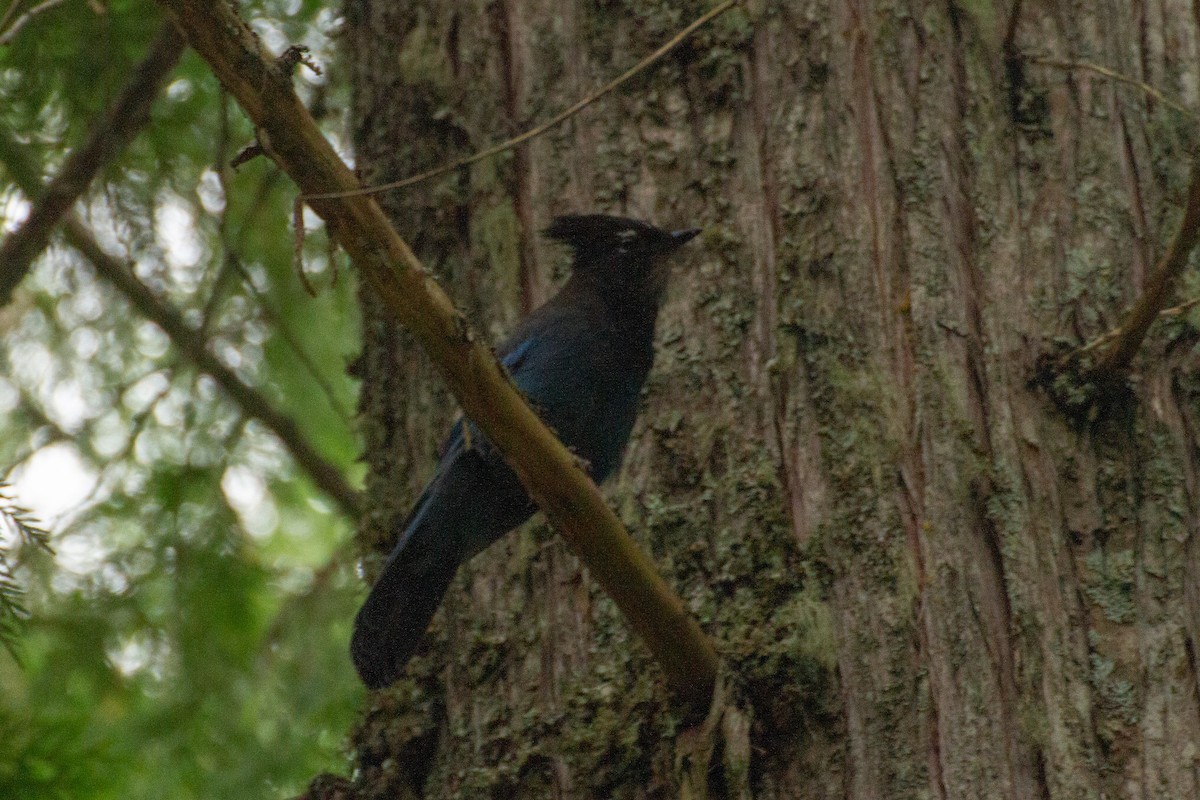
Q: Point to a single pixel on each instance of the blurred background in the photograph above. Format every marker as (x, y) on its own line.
(185, 622)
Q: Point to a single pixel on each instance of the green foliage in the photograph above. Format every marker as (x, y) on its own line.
(186, 637)
(18, 527)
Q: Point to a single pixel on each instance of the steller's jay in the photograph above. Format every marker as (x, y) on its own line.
(581, 359)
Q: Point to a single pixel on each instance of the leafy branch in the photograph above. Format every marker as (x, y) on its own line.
(18, 530)
(127, 115)
(189, 340)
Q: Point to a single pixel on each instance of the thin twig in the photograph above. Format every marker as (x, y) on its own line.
(298, 246)
(233, 244)
(216, 290)
(133, 429)
(282, 328)
(1087, 66)
(293, 605)
(247, 153)
(20, 22)
(1182, 308)
(1103, 339)
(1099, 341)
(674, 42)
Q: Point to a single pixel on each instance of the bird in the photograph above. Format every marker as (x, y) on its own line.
(581, 360)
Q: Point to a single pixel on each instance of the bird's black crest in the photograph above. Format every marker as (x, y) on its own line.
(586, 233)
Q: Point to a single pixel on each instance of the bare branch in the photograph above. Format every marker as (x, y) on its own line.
(1182, 308)
(1119, 346)
(119, 124)
(546, 468)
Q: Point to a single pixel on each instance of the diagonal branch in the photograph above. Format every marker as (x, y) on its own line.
(120, 123)
(191, 343)
(7, 34)
(546, 468)
(1119, 346)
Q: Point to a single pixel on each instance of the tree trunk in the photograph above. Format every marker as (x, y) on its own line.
(926, 578)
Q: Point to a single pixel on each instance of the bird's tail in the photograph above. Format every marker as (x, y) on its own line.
(393, 620)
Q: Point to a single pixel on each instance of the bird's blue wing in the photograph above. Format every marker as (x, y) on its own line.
(550, 362)
(516, 356)
(547, 369)
(455, 441)
(575, 393)
(538, 368)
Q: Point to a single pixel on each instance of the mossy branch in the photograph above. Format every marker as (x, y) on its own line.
(547, 469)
(1081, 380)
(1116, 349)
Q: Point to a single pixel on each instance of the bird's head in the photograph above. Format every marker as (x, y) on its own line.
(626, 258)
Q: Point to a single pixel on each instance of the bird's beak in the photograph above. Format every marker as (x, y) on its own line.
(685, 236)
